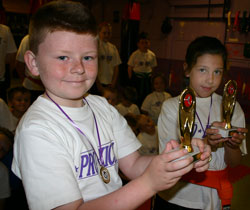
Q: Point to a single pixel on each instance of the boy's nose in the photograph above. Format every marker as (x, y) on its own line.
(78, 67)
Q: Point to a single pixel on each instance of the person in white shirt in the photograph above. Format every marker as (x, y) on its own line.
(7, 56)
(69, 145)
(153, 102)
(140, 66)
(205, 64)
(127, 104)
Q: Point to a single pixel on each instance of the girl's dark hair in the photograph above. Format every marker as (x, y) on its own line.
(204, 45)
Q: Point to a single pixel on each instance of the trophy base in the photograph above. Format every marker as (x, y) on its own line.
(226, 133)
(196, 154)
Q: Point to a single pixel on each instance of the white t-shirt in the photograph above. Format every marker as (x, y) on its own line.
(153, 102)
(142, 62)
(149, 143)
(108, 58)
(27, 83)
(4, 182)
(187, 194)
(7, 45)
(57, 164)
(6, 120)
(133, 109)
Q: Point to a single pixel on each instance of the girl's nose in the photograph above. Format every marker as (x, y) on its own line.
(210, 78)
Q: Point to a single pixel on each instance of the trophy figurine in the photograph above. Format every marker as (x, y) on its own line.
(228, 104)
(187, 106)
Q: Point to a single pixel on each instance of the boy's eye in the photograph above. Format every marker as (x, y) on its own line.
(88, 58)
(63, 58)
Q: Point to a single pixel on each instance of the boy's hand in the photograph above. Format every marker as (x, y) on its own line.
(162, 173)
(203, 163)
(235, 141)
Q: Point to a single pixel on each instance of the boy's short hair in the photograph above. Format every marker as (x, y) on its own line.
(129, 93)
(60, 16)
(14, 90)
(204, 45)
(104, 24)
(142, 35)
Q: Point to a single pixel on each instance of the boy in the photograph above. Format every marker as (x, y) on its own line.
(19, 101)
(140, 67)
(68, 146)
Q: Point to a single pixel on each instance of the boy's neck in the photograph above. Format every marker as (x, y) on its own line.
(17, 114)
(63, 102)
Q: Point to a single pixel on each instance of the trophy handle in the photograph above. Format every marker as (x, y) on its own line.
(187, 106)
(228, 102)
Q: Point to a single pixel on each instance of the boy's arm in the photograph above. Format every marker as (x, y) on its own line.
(130, 70)
(151, 174)
(115, 76)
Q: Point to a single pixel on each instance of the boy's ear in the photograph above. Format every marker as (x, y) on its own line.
(185, 67)
(30, 60)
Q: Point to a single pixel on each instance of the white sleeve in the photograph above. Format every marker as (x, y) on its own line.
(238, 120)
(39, 155)
(146, 105)
(11, 45)
(168, 123)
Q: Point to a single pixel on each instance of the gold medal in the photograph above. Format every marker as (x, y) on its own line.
(105, 174)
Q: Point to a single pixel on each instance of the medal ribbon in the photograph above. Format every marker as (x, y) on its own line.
(101, 162)
(208, 119)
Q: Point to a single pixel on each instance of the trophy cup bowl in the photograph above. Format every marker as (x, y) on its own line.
(228, 104)
(187, 106)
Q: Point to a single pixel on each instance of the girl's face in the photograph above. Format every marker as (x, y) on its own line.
(205, 76)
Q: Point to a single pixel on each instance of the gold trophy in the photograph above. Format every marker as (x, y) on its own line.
(187, 106)
(228, 104)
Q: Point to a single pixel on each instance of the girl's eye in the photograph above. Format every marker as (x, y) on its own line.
(63, 58)
(218, 72)
(202, 70)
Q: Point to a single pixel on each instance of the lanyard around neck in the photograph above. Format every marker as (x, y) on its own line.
(101, 162)
(208, 119)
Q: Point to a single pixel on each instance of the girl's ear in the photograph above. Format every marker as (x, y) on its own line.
(185, 67)
(30, 60)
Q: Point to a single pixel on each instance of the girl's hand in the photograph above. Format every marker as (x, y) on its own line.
(235, 141)
(213, 137)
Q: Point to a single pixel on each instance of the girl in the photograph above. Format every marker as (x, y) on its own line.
(205, 63)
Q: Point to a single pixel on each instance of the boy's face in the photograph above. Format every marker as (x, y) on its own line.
(146, 124)
(105, 33)
(159, 84)
(67, 65)
(20, 102)
(206, 74)
(143, 45)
